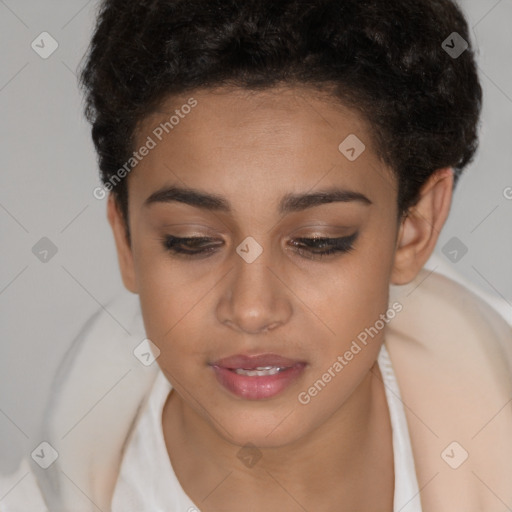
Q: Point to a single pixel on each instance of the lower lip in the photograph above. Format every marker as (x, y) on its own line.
(257, 387)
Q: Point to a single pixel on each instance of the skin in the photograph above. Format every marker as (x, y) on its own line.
(335, 453)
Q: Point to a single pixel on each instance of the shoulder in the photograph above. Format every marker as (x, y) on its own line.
(452, 355)
(444, 318)
(96, 396)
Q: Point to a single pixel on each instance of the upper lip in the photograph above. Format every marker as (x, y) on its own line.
(250, 362)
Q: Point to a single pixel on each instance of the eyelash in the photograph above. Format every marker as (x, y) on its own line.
(338, 245)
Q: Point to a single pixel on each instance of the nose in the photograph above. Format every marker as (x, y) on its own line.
(255, 298)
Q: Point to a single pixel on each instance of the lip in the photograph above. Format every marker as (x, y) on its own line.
(260, 386)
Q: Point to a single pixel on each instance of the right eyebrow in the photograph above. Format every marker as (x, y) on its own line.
(288, 204)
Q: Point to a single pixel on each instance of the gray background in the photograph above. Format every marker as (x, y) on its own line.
(48, 173)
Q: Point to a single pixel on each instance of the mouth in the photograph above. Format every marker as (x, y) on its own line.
(257, 377)
(260, 371)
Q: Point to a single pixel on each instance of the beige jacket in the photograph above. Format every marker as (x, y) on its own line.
(452, 356)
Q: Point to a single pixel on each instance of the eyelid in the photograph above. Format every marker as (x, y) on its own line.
(192, 230)
(327, 238)
(346, 240)
(196, 238)
(200, 247)
(328, 232)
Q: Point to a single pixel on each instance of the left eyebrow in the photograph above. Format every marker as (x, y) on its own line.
(288, 204)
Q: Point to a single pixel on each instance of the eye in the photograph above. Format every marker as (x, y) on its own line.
(190, 246)
(320, 247)
(311, 248)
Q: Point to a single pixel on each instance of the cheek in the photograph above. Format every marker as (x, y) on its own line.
(168, 300)
(356, 291)
(352, 307)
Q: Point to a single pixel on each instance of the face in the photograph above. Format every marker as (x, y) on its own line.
(264, 176)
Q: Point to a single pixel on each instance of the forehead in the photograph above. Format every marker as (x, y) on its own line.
(239, 142)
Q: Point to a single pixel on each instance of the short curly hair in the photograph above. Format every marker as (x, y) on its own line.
(385, 58)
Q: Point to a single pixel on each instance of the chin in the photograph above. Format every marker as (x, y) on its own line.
(262, 429)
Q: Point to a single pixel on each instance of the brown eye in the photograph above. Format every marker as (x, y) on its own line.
(321, 247)
(310, 248)
(189, 246)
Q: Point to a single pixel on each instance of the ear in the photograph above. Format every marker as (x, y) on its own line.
(124, 250)
(420, 228)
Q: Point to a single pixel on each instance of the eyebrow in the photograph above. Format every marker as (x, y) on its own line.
(288, 204)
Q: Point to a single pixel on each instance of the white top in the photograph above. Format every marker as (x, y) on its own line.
(147, 481)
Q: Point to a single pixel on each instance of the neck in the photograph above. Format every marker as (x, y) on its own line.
(331, 463)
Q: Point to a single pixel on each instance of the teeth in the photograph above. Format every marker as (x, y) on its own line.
(260, 371)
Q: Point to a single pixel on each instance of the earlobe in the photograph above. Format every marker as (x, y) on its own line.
(420, 228)
(124, 250)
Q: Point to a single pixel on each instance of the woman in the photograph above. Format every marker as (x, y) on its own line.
(272, 169)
